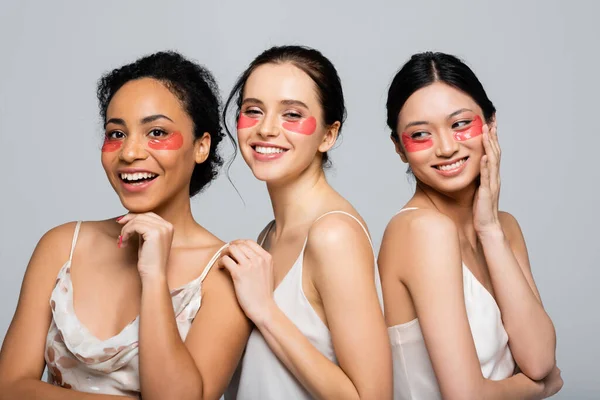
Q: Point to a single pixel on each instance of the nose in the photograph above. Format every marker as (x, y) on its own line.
(269, 126)
(134, 148)
(447, 146)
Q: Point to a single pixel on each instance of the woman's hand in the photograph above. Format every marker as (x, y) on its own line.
(485, 206)
(155, 238)
(552, 383)
(251, 269)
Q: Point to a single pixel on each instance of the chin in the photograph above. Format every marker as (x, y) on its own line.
(138, 206)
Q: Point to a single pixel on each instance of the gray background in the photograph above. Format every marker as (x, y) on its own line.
(538, 61)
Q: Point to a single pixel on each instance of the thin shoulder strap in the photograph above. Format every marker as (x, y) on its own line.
(351, 216)
(212, 261)
(75, 235)
(406, 209)
(267, 231)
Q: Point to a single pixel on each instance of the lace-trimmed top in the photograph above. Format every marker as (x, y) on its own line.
(76, 359)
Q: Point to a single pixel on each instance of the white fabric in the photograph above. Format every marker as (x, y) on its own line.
(414, 378)
(260, 374)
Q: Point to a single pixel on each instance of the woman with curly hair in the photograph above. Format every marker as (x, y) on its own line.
(113, 307)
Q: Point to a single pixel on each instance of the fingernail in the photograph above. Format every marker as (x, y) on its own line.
(120, 218)
(120, 241)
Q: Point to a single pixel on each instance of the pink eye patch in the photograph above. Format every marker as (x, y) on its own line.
(412, 145)
(246, 122)
(306, 126)
(172, 142)
(475, 129)
(111, 145)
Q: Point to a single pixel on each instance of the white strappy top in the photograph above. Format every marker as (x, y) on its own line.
(76, 359)
(414, 378)
(260, 374)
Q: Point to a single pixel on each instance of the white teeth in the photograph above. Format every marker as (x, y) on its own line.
(137, 176)
(268, 150)
(451, 166)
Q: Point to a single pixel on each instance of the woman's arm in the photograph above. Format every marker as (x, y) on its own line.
(341, 263)
(22, 357)
(435, 283)
(530, 330)
(201, 367)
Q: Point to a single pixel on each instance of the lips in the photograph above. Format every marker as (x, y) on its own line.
(451, 165)
(136, 180)
(451, 168)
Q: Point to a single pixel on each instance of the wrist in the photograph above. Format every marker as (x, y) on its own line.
(154, 281)
(265, 319)
(492, 233)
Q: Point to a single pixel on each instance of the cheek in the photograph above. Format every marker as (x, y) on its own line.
(306, 126)
(411, 145)
(173, 142)
(246, 122)
(476, 129)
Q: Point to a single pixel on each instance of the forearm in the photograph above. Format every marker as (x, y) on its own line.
(322, 378)
(530, 330)
(517, 386)
(33, 389)
(167, 370)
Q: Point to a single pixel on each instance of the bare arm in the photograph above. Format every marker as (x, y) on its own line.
(434, 279)
(22, 357)
(531, 332)
(342, 264)
(201, 367)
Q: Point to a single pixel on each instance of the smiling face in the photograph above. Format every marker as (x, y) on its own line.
(280, 128)
(439, 130)
(149, 149)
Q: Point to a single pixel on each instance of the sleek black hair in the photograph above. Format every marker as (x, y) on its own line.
(422, 70)
(315, 65)
(193, 85)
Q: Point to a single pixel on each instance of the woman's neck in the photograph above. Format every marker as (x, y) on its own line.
(178, 212)
(297, 201)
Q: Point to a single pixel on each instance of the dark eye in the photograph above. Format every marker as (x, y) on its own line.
(292, 115)
(461, 124)
(252, 112)
(157, 133)
(419, 135)
(115, 135)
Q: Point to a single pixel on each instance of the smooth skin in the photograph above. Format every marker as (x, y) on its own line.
(161, 248)
(459, 218)
(338, 266)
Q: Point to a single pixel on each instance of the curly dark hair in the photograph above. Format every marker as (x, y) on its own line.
(193, 85)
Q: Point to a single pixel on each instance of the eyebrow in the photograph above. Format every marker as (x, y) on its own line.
(455, 113)
(145, 120)
(286, 102)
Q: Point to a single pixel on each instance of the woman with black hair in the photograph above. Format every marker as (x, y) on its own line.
(130, 307)
(459, 294)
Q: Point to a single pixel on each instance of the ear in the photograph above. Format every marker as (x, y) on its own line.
(202, 148)
(398, 147)
(330, 137)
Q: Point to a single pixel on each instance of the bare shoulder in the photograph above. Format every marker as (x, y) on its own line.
(336, 231)
(408, 240)
(510, 225)
(335, 244)
(414, 224)
(56, 243)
